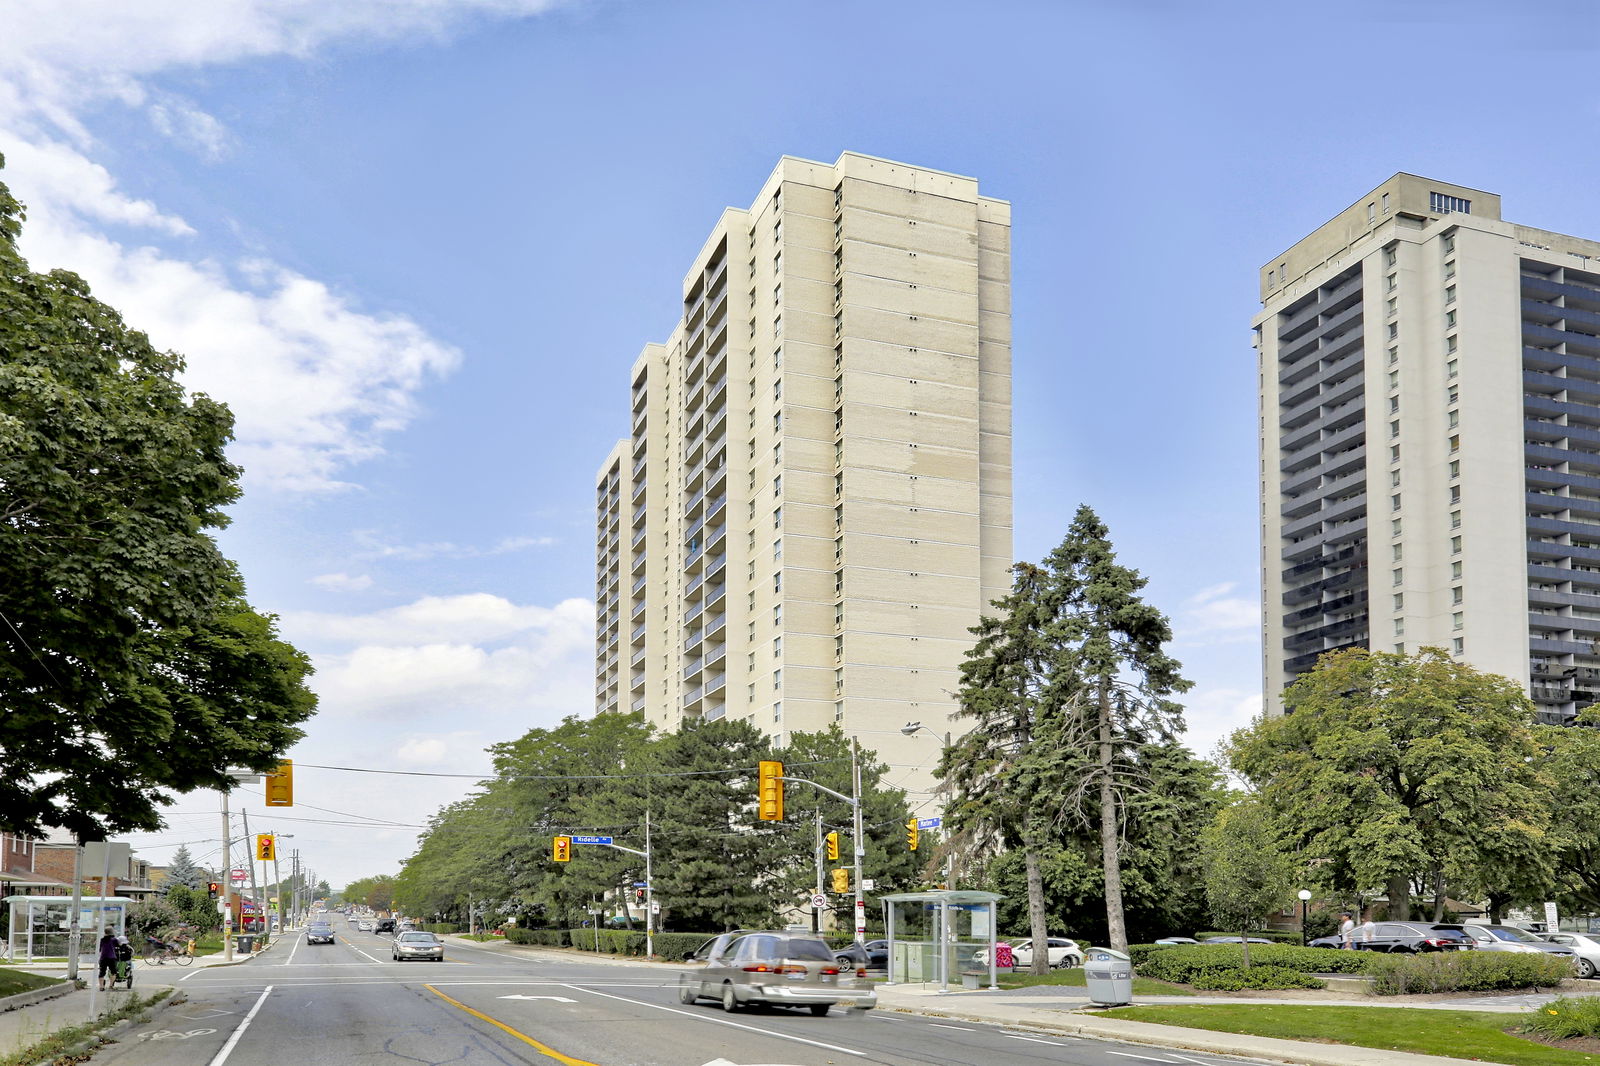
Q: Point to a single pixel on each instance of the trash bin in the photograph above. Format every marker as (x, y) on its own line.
(244, 942)
(1109, 975)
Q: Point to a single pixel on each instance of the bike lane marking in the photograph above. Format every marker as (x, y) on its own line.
(543, 1049)
(233, 1040)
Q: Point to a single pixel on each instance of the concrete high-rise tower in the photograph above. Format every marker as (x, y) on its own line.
(1430, 442)
(814, 503)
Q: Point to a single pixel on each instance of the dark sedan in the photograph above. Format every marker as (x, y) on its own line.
(873, 955)
(319, 933)
(1411, 938)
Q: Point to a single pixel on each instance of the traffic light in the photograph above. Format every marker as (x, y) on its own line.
(771, 791)
(638, 895)
(911, 834)
(833, 847)
(213, 889)
(264, 847)
(561, 849)
(841, 880)
(280, 785)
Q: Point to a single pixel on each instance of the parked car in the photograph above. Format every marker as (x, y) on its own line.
(1064, 953)
(1334, 941)
(771, 968)
(319, 933)
(1586, 947)
(1413, 938)
(873, 955)
(416, 945)
(1510, 938)
(1176, 941)
(1236, 940)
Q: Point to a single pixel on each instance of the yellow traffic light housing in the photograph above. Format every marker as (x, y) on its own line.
(264, 847)
(911, 834)
(561, 849)
(841, 880)
(833, 847)
(770, 791)
(280, 785)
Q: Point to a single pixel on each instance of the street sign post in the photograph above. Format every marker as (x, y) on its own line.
(819, 902)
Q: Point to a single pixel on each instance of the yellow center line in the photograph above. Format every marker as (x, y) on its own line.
(543, 1049)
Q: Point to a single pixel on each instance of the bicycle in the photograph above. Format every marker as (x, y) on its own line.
(161, 953)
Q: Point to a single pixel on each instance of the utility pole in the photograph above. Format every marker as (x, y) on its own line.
(816, 912)
(277, 888)
(73, 932)
(227, 884)
(860, 840)
(649, 894)
(255, 889)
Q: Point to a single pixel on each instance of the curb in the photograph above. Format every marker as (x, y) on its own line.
(37, 995)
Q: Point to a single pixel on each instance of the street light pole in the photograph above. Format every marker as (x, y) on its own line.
(1305, 899)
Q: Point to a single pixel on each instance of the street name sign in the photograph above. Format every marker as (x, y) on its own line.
(591, 840)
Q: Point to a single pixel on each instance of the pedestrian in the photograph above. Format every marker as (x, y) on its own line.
(1347, 927)
(107, 975)
(1365, 931)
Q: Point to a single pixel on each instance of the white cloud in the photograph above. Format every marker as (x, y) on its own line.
(373, 547)
(343, 582)
(1214, 713)
(458, 752)
(316, 382)
(1213, 616)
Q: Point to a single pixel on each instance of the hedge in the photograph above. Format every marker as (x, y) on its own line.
(440, 927)
(1254, 977)
(1183, 963)
(1464, 971)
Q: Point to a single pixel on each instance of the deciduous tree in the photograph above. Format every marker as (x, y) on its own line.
(1248, 873)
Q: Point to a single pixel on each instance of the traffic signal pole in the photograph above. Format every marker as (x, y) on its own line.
(816, 912)
(860, 842)
(254, 888)
(227, 884)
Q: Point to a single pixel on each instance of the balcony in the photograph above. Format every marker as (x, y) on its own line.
(638, 633)
(638, 535)
(694, 640)
(715, 624)
(694, 583)
(638, 583)
(638, 657)
(638, 705)
(692, 669)
(691, 699)
(693, 612)
(716, 683)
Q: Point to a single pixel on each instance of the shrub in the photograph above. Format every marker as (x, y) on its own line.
(1183, 963)
(1465, 971)
(440, 927)
(1279, 936)
(1568, 1016)
(1140, 952)
(1254, 977)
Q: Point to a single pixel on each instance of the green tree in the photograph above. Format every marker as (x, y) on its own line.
(1571, 757)
(182, 872)
(1111, 688)
(130, 665)
(1383, 762)
(149, 917)
(194, 907)
(1248, 874)
(1005, 683)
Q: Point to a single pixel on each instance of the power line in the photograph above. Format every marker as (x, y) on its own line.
(749, 770)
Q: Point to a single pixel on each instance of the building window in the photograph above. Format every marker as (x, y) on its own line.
(1450, 268)
(1455, 571)
(1394, 479)
(1455, 442)
(1400, 649)
(1452, 394)
(777, 581)
(1455, 519)
(1386, 203)
(777, 712)
(838, 711)
(777, 615)
(1455, 494)
(777, 389)
(1394, 330)
(1391, 282)
(1394, 356)
(1449, 294)
(1455, 418)
(1399, 601)
(777, 485)
(1449, 320)
(1388, 257)
(1398, 575)
(1458, 646)
(1372, 213)
(777, 679)
(1455, 594)
(1449, 242)
(1445, 205)
(1394, 429)
(1455, 545)
(1450, 344)
(1452, 368)
(777, 518)
(1455, 468)
(1399, 627)
(1394, 379)
(1394, 527)
(1394, 405)
(1394, 453)
(1394, 502)
(1392, 307)
(1272, 279)
(1397, 551)
(1456, 620)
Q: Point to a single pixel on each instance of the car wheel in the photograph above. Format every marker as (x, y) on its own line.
(820, 1009)
(1586, 968)
(844, 960)
(687, 994)
(730, 1002)
(1066, 960)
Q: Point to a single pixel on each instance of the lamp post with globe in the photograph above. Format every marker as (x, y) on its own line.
(1305, 899)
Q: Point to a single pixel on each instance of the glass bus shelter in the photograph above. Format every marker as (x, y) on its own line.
(934, 936)
(40, 925)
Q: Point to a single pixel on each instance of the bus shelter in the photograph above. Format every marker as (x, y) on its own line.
(934, 936)
(39, 926)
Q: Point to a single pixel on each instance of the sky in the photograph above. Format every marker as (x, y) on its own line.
(415, 245)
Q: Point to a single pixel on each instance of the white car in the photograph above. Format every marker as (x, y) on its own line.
(364, 925)
(1585, 946)
(1064, 953)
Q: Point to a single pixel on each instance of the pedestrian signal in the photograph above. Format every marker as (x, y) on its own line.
(770, 791)
(833, 847)
(911, 834)
(280, 785)
(214, 889)
(264, 847)
(841, 880)
(561, 849)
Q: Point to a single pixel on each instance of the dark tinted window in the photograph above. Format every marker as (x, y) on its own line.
(805, 948)
(1511, 935)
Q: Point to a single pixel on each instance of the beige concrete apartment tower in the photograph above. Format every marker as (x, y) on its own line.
(1430, 442)
(818, 478)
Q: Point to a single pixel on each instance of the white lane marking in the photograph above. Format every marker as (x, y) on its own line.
(941, 1025)
(1186, 1058)
(290, 960)
(358, 951)
(720, 1021)
(1146, 1058)
(558, 999)
(1034, 1040)
(227, 1049)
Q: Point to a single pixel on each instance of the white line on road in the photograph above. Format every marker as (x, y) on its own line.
(963, 1028)
(227, 1049)
(1034, 1040)
(297, 942)
(1202, 1062)
(1146, 1058)
(700, 1017)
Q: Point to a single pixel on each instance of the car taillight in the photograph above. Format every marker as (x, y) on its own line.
(759, 969)
(829, 971)
(794, 969)
(861, 971)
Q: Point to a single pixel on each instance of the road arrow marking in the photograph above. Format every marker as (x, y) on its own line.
(558, 999)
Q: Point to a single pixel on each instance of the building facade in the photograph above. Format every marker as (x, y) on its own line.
(817, 482)
(1430, 442)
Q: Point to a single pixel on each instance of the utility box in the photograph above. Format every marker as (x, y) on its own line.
(1109, 976)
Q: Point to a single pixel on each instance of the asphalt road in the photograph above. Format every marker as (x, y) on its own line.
(349, 1004)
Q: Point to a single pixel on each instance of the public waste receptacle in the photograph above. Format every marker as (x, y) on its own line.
(1108, 973)
(245, 943)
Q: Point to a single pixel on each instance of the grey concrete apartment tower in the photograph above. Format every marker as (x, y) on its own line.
(814, 503)
(1430, 442)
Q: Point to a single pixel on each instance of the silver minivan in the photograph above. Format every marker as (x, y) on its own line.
(783, 969)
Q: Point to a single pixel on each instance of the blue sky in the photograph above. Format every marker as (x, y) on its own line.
(416, 247)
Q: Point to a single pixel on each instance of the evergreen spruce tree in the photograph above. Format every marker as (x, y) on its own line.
(182, 871)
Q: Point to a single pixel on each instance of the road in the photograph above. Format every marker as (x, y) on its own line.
(349, 1004)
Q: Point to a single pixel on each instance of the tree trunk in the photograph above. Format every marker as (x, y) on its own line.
(1110, 840)
(1037, 927)
(1399, 898)
(1438, 895)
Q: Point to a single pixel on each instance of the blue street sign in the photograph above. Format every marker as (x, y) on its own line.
(927, 823)
(641, 884)
(591, 840)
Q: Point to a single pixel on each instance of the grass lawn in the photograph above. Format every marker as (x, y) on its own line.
(14, 981)
(1142, 986)
(1462, 1033)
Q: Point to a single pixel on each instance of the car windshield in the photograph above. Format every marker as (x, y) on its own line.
(424, 938)
(814, 950)
(320, 927)
(1512, 935)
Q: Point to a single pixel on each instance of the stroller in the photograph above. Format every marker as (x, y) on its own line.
(124, 971)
